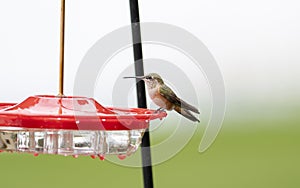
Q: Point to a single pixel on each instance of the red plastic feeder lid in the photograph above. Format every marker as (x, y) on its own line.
(72, 113)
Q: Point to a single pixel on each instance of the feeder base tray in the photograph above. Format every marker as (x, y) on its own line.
(68, 142)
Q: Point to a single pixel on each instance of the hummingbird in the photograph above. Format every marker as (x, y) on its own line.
(165, 98)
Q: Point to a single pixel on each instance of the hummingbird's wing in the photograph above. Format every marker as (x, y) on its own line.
(187, 106)
(166, 92)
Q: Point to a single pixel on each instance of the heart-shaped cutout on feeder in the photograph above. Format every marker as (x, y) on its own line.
(72, 126)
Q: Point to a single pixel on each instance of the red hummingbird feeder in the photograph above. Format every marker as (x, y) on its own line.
(72, 126)
(68, 125)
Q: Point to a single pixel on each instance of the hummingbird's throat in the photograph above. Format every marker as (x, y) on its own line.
(151, 84)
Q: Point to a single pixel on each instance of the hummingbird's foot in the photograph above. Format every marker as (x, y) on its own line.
(159, 110)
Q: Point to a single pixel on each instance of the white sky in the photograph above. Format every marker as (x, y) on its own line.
(256, 43)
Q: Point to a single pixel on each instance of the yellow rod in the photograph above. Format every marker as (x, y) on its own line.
(62, 49)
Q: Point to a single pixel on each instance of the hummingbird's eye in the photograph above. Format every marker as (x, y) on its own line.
(148, 77)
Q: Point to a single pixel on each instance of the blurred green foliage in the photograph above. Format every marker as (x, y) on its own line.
(245, 154)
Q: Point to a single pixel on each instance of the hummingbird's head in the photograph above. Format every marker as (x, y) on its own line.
(151, 80)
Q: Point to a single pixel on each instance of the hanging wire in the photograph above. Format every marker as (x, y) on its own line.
(62, 49)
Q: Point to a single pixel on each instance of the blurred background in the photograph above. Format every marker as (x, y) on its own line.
(255, 44)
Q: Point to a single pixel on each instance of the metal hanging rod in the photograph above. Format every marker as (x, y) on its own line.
(62, 49)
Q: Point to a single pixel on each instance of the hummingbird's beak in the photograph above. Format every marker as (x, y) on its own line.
(139, 77)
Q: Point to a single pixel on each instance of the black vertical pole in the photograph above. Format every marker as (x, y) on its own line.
(141, 94)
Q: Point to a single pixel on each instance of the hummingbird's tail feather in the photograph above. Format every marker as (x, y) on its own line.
(186, 113)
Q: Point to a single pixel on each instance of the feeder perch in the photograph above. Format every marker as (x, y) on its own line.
(46, 124)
